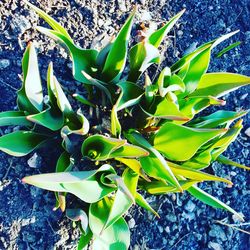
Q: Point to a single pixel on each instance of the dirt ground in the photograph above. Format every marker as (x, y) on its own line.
(26, 217)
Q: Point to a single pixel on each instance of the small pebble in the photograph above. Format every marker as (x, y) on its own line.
(131, 223)
(171, 217)
(190, 206)
(145, 16)
(217, 232)
(214, 245)
(236, 218)
(247, 132)
(35, 161)
(180, 33)
(243, 97)
(4, 63)
(167, 229)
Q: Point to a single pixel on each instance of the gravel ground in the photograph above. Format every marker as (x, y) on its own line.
(26, 217)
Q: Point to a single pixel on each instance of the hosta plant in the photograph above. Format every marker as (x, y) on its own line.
(155, 142)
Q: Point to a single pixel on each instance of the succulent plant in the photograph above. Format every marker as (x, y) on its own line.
(156, 143)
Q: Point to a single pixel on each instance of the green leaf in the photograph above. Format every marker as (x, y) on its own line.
(48, 118)
(99, 84)
(169, 83)
(21, 143)
(115, 124)
(191, 106)
(171, 139)
(216, 119)
(84, 240)
(52, 22)
(116, 58)
(200, 160)
(62, 101)
(117, 236)
(9, 118)
(135, 165)
(99, 147)
(124, 197)
(102, 55)
(141, 56)
(130, 95)
(213, 150)
(196, 63)
(226, 161)
(78, 215)
(194, 174)
(156, 37)
(143, 203)
(154, 165)
(231, 46)
(83, 100)
(64, 164)
(129, 151)
(161, 187)
(219, 84)
(82, 126)
(30, 96)
(89, 186)
(211, 201)
(83, 59)
(222, 144)
(165, 108)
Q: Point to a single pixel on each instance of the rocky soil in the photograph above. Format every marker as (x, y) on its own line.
(26, 217)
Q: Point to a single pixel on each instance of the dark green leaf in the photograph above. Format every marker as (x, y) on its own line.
(130, 95)
(48, 118)
(231, 46)
(9, 118)
(116, 57)
(99, 147)
(156, 37)
(226, 161)
(141, 56)
(21, 143)
(78, 215)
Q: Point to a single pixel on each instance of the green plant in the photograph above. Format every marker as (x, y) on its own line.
(157, 143)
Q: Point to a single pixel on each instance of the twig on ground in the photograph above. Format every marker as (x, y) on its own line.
(8, 170)
(234, 226)
(6, 84)
(184, 236)
(51, 227)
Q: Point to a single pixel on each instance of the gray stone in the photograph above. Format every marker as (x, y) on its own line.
(217, 232)
(131, 223)
(20, 24)
(171, 217)
(247, 132)
(35, 161)
(214, 245)
(190, 206)
(189, 216)
(145, 16)
(160, 229)
(4, 63)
